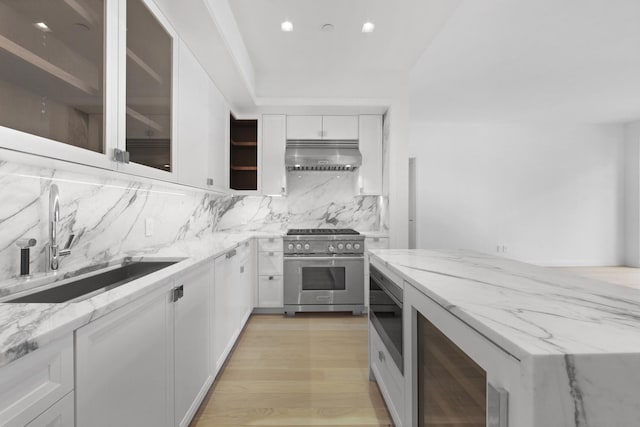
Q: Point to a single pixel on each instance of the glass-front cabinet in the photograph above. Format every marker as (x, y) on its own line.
(455, 375)
(81, 79)
(52, 70)
(451, 386)
(149, 89)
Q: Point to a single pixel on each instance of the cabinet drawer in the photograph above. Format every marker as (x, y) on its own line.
(270, 264)
(270, 291)
(272, 244)
(33, 383)
(376, 243)
(61, 414)
(388, 376)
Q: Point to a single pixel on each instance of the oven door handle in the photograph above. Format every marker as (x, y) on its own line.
(389, 294)
(323, 258)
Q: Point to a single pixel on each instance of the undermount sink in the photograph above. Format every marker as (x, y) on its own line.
(87, 287)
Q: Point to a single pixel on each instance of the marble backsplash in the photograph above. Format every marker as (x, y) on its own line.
(109, 212)
(314, 200)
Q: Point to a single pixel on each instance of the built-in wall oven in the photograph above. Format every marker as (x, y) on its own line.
(323, 271)
(385, 313)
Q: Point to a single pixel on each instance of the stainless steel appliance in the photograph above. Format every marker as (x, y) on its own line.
(322, 155)
(323, 270)
(385, 313)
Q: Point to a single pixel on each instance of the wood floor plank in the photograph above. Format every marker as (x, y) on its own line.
(310, 370)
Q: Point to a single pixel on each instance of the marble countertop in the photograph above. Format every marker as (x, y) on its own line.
(526, 309)
(26, 327)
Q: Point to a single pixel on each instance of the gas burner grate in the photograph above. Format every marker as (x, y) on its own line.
(321, 231)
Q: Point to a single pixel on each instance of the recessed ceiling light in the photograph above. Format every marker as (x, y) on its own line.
(286, 26)
(42, 26)
(368, 27)
(327, 27)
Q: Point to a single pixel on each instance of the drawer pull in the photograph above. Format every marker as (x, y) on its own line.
(270, 277)
(271, 239)
(376, 239)
(242, 269)
(271, 254)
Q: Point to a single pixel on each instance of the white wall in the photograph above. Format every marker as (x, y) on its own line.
(552, 194)
(632, 194)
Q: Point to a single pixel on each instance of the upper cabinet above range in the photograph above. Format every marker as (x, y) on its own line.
(322, 127)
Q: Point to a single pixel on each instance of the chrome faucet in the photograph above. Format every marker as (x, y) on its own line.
(55, 253)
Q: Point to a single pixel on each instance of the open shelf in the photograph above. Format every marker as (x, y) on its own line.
(243, 168)
(244, 143)
(46, 66)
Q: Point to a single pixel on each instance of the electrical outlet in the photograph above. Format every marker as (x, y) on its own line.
(504, 249)
(149, 227)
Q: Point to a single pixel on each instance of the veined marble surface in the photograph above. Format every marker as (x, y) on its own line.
(314, 200)
(577, 340)
(26, 327)
(526, 309)
(108, 212)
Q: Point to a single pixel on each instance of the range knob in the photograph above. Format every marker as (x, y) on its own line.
(340, 246)
(307, 246)
(331, 248)
(298, 246)
(290, 246)
(356, 246)
(349, 246)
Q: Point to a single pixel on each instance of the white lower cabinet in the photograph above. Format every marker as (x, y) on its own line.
(270, 292)
(388, 376)
(193, 374)
(61, 414)
(233, 299)
(124, 365)
(270, 263)
(34, 383)
(270, 269)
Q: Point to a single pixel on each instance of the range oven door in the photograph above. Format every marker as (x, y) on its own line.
(323, 280)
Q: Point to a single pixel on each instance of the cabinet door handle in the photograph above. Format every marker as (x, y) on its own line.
(381, 356)
(231, 254)
(270, 277)
(497, 406)
(242, 269)
(177, 293)
(271, 254)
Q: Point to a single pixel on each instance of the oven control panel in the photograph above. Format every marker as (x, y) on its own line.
(324, 247)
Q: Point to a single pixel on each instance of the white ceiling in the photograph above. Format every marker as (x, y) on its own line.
(343, 63)
(576, 60)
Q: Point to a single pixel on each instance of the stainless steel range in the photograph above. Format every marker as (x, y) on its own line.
(323, 270)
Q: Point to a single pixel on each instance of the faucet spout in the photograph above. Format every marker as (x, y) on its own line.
(54, 219)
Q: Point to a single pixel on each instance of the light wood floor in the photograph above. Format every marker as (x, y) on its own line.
(310, 370)
(627, 276)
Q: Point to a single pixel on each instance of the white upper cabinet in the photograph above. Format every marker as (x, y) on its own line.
(304, 127)
(322, 127)
(193, 121)
(274, 137)
(370, 180)
(59, 88)
(218, 122)
(149, 68)
(340, 127)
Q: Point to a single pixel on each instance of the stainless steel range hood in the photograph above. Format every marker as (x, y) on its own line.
(322, 155)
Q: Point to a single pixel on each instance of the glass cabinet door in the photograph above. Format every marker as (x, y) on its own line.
(451, 386)
(149, 89)
(52, 70)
